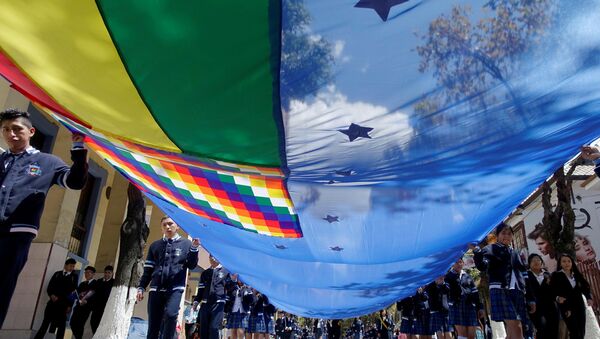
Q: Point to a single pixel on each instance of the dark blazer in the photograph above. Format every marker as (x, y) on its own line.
(407, 307)
(542, 293)
(84, 288)
(421, 303)
(103, 289)
(561, 287)
(215, 285)
(436, 296)
(500, 261)
(247, 298)
(63, 287)
(463, 288)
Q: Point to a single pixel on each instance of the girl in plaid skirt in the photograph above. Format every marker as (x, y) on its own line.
(269, 313)
(407, 326)
(438, 304)
(464, 301)
(238, 309)
(257, 324)
(422, 314)
(506, 274)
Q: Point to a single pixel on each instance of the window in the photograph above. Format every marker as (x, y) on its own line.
(87, 207)
(45, 131)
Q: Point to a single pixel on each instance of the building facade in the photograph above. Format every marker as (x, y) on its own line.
(84, 225)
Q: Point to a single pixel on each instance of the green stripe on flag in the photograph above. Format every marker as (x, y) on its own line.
(204, 70)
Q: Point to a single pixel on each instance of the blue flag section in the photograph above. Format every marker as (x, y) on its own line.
(412, 128)
(336, 154)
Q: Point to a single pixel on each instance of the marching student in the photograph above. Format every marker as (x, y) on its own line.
(269, 313)
(506, 274)
(357, 328)
(60, 289)
(83, 305)
(238, 307)
(103, 286)
(545, 317)
(165, 270)
(464, 301)
(570, 287)
(215, 283)
(26, 175)
(407, 308)
(257, 324)
(384, 324)
(422, 314)
(438, 303)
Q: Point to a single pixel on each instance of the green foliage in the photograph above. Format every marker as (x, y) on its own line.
(306, 58)
(468, 58)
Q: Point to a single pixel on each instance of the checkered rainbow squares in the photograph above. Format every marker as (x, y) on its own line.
(247, 197)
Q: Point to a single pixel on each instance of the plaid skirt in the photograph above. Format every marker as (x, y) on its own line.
(463, 313)
(423, 325)
(256, 324)
(270, 322)
(407, 326)
(237, 320)
(507, 304)
(439, 322)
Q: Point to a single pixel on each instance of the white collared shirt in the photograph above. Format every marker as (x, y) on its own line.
(539, 277)
(237, 304)
(571, 278)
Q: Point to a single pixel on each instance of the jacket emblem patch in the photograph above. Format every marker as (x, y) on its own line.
(34, 169)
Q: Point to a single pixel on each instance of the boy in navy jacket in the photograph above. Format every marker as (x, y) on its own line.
(26, 175)
(165, 270)
(216, 283)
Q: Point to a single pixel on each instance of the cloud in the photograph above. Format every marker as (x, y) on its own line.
(316, 147)
(338, 51)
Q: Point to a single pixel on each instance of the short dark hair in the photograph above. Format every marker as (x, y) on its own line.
(70, 261)
(501, 227)
(90, 268)
(12, 114)
(108, 268)
(534, 255)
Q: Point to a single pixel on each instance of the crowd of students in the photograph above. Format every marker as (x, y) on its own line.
(86, 300)
(528, 299)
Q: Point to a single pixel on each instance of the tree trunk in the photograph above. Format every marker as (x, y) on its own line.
(134, 233)
(559, 222)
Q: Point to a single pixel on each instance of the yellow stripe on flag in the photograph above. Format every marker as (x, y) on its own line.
(66, 49)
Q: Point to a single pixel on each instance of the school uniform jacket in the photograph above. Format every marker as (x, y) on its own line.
(438, 296)
(421, 303)
(561, 287)
(540, 293)
(166, 267)
(462, 287)
(214, 286)
(62, 286)
(407, 307)
(85, 287)
(25, 179)
(500, 262)
(102, 293)
(247, 298)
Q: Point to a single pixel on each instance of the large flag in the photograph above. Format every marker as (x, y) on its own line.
(337, 154)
